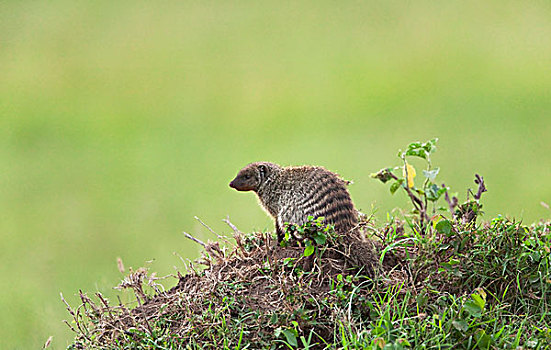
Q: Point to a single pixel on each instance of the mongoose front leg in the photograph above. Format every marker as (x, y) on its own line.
(280, 224)
(280, 234)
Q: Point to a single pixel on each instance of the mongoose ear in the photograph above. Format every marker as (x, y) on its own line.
(262, 170)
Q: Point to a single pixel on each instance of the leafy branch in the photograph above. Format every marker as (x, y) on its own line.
(430, 192)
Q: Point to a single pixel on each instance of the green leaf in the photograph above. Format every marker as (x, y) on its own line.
(309, 250)
(479, 299)
(319, 238)
(434, 192)
(395, 186)
(273, 318)
(418, 152)
(287, 237)
(418, 149)
(431, 174)
(430, 145)
(453, 261)
(473, 308)
(483, 340)
(444, 227)
(291, 337)
(460, 325)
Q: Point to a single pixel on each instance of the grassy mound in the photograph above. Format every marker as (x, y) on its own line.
(458, 286)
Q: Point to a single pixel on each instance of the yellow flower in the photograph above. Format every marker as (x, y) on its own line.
(410, 174)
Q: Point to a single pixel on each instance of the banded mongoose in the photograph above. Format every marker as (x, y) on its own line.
(291, 194)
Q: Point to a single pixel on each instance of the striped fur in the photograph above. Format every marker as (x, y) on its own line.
(292, 194)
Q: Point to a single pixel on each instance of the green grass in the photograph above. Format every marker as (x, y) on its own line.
(121, 121)
(464, 287)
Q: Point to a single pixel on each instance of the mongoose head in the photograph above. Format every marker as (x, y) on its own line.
(253, 176)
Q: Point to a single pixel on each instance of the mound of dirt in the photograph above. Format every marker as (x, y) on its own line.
(257, 294)
(257, 283)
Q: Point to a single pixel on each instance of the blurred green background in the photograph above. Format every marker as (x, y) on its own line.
(122, 120)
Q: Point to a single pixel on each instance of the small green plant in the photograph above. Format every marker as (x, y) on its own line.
(429, 193)
(314, 233)
(419, 196)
